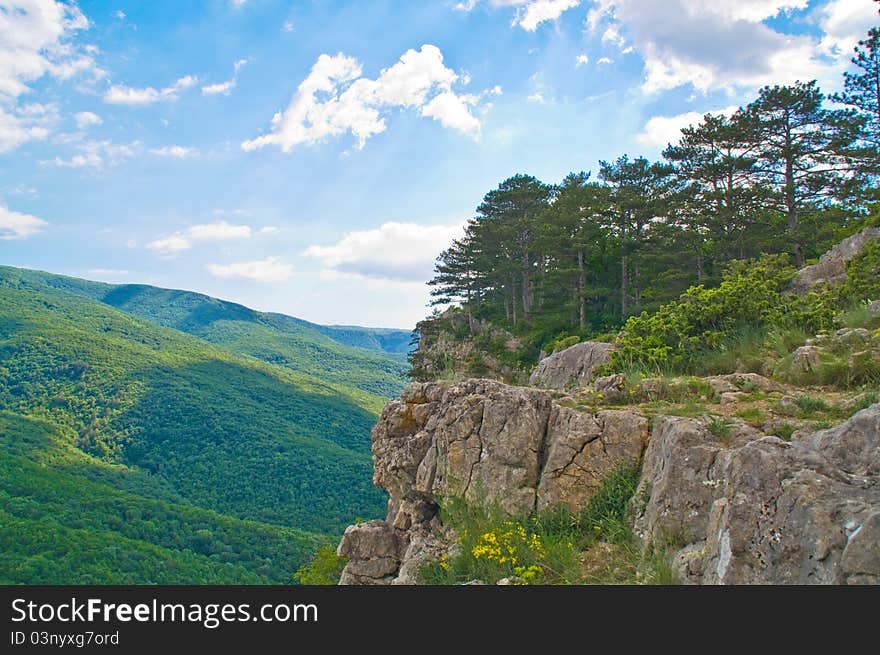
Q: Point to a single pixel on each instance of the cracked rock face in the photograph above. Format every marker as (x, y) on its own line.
(831, 268)
(486, 442)
(571, 367)
(758, 510)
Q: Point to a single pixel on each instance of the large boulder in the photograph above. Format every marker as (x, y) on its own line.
(752, 509)
(571, 367)
(490, 444)
(831, 268)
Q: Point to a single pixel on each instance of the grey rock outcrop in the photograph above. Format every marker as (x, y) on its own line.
(488, 443)
(831, 268)
(754, 509)
(572, 366)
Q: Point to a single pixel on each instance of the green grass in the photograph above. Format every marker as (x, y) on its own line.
(556, 546)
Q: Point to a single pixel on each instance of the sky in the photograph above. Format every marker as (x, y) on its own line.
(314, 157)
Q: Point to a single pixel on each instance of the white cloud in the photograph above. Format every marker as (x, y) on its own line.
(15, 225)
(288, 26)
(35, 40)
(175, 243)
(179, 152)
(119, 94)
(529, 13)
(171, 245)
(96, 154)
(454, 111)
(18, 127)
(238, 4)
(845, 23)
(537, 97)
(86, 118)
(403, 252)
(119, 14)
(270, 269)
(602, 61)
(225, 88)
(662, 130)
(581, 60)
(728, 45)
(536, 12)
(335, 99)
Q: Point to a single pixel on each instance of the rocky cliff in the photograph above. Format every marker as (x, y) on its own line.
(485, 442)
(742, 507)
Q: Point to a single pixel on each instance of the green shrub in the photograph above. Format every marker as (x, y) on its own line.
(325, 569)
(863, 275)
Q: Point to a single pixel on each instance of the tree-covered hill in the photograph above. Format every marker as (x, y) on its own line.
(66, 517)
(149, 416)
(370, 359)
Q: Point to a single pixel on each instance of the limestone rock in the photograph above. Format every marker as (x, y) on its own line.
(572, 366)
(874, 307)
(489, 443)
(373, 550)
(760, 510)
(831, 268)
(806, 359)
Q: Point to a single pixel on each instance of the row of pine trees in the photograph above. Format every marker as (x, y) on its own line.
(790, 172)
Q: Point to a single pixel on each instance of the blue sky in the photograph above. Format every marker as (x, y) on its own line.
(138, 144)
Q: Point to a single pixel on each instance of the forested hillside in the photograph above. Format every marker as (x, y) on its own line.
(184, 451)
(791, 173)
(296, 344)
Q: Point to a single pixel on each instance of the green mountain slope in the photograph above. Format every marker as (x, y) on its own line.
(68, 517)
(387, 340)
(215, 429)
(354, 357)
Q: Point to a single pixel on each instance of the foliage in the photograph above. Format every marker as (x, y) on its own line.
(67, 517)
(324, 569)
(199, 425)
(321, 351)
(549, 547)
(679, 335)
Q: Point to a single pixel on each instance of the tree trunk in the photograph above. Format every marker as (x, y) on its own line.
(582, 301)
(513, 297)
(791, 203)
(624, 285)
(526, 288)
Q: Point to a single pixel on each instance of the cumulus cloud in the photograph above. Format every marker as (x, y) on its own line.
(120, 94)
(86, 118)
(581, 60)
(725, 45)
(403, 252)
(35, 40)
(660, 131)
(16, 225)
(335, 99)
(178, 152)
(529, 13)
(270, 269)
(225, 88)
(175, 243)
